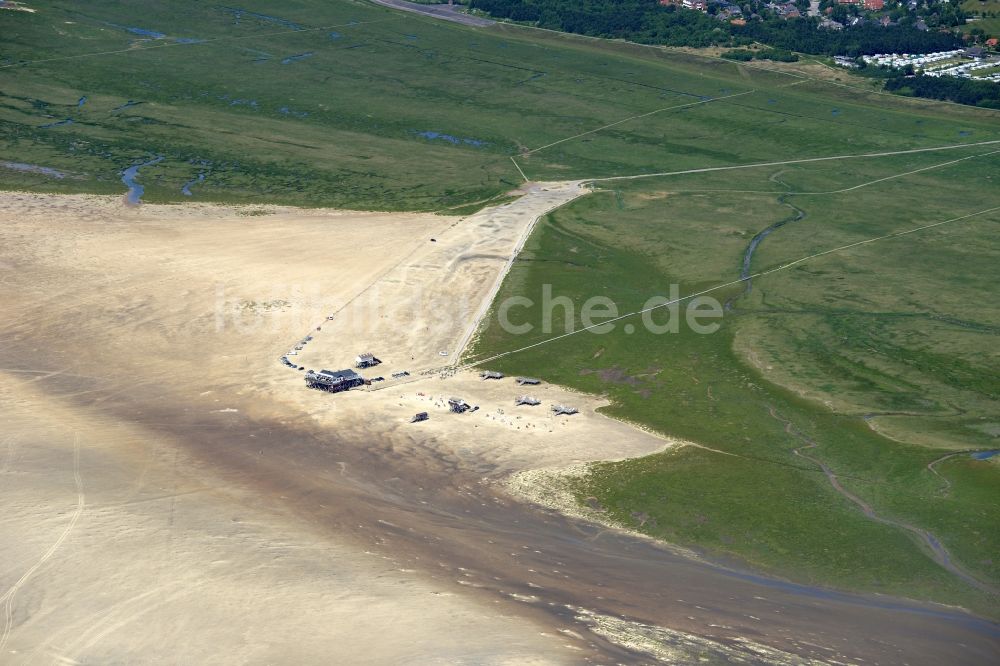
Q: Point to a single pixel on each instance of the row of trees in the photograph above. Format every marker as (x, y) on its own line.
(649, 22)
(934, 13)
(646, 21)
(963, 91)
(746, 55)
(802, 35)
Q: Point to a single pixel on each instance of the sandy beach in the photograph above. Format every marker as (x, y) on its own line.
(147, 534)
(174, 493)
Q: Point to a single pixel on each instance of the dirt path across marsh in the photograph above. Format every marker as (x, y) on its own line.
(445, 12)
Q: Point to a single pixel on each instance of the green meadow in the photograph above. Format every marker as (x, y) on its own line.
(350, 104)
(878, 359)
(875, 361)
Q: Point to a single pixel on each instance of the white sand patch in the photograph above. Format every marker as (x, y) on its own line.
(552, 488)
(677, 647)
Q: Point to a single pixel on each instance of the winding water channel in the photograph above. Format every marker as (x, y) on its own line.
(129, 175)
(937, 550)
(934, 546)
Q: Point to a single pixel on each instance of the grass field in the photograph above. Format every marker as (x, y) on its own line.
(986, 14)
(989, 25)
(980, 7)
(883, 356)
(349, 104)
(879, 360)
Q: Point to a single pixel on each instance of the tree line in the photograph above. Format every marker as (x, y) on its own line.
(646, 21)
(963, 91)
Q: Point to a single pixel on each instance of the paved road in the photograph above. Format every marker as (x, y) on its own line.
(444, 12)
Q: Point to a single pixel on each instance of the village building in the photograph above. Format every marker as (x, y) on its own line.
(700, 5)
(458, 406)
(870, 5)
(786, 10)
(334, 381)
(15, 6)
(366, 360)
